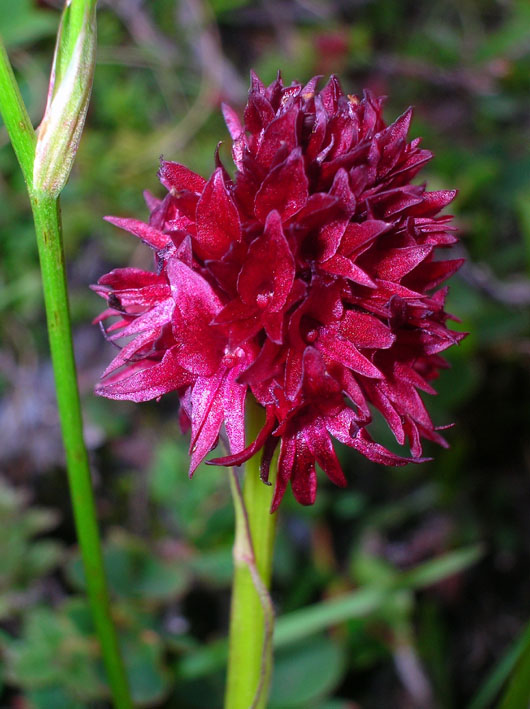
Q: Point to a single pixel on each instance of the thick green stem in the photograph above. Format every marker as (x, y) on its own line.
(251, 616)
(48, 229)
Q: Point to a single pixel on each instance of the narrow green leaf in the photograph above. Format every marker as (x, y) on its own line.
(436, 570)
(306, 622)
(15, 117)
(491, 687)
(517, 696)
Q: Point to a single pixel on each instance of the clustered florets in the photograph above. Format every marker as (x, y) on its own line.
(307, 279)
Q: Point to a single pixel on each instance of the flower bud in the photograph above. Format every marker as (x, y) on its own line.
(69, 91)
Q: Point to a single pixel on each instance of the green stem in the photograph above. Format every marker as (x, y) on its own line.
(48, 229)
(251, 615)
(46, 214)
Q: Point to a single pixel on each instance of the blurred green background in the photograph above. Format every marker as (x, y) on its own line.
(411, 588)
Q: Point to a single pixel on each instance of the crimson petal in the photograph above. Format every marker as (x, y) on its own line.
(179, 177)
(148, 234)
(147, 383)
(253, 448)
(285, 189)
(218, 223)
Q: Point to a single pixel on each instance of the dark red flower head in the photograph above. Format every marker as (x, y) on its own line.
(308, 279)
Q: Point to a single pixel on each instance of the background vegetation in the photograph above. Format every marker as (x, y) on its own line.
(407, 589)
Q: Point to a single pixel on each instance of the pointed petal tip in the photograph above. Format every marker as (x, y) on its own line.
(275, 504)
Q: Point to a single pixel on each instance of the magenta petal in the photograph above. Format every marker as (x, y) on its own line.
(264, 365)
(318, 132)
(341, 266)
(359, 235)
(194, 296)
(286, 461)
(377, 453)
(151, 201)
(256, 84)
(317, 381)
(130, 279)
(392, 417)
(218, 223)
(413, 436)
(340, 189)
(244, 330)
(321, 447)
(151, 236)
(396, 201)
(273, 325)
(331, 233)
(200, 346)
(431, 274)
(233, 396)
(285, 189)
(135, 301)
(294, 373)
(345, 352)
(433, 202)
(408, 374)
(234, 311)
(266, 458)
(304, 476)
(329, 238)
(407, 169)
(343, 425)
(107, 313)
(265, 282)
(431, 434)
(397, 132)
(155, 318)
(253, 448)
(258, 112)
(206, 418)
(331, 93)
(280, 133)
(366, 331)
(407, 400)
(352, 389)
(179, 177)
(396, 263)
(232, 121)
(148, 383)
(128, 352)
(316, 211)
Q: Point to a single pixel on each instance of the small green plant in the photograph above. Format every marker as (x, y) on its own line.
(26, 561)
